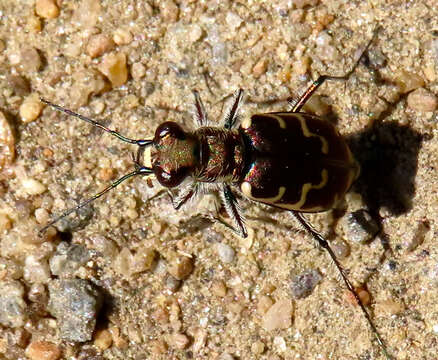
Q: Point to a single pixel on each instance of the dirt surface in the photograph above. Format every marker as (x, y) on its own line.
(176, 285)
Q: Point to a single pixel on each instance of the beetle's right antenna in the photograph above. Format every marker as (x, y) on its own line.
(140, 142)
(139, 169)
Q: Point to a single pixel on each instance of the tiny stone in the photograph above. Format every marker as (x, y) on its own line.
(180, 341)
(363, 294)
(87, 13)
(41, 216)
(103, 339)
(263, 305)
(200, 339)
(225, 252)
(340, 248)
(33, 24)
(303, 284)
(233, 20)
(98, 45)
(122, 262)
(36, 270)
(143, 260)
(29, 60)
(172, 284)
(218, 288)
(19, 84)
(46, 9)
(13, 309)
(122, 36)
(158, 347)
(258, 348)
(68, 259)
(422, 100)
(43, 350)
(181, 267)
(279, 343)
(5, 222)
(37, 293)
(390, 307)
(75, 304)
(168, 10)
(7, 142)
(260, 68)
(359, 226)
(114, 68)
(31, 108)
(32, 186)
(407, 81)
(279, 315)
(138, 71)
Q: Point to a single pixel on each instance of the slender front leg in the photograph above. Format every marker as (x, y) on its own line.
(185, 194)
(201, 114)
(233, 113)
(233, 210)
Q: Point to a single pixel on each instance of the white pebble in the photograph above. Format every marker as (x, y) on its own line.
(225, 252)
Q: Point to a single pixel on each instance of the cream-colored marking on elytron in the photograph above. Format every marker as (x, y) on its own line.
(304, 191)
(307, 133)
(247, 191)
(246, 123)
(147, 158)
(280, 120)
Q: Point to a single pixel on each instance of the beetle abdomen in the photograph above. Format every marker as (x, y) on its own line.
(295, 161)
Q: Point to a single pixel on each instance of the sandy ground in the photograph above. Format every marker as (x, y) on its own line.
(271, 49)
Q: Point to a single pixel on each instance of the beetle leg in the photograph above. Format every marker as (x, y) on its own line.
(187, 192)
(233, 210)
(201, 114)
(326, 246)
(298, 104)
(233, 114)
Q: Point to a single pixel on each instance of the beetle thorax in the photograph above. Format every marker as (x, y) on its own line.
(221, 155)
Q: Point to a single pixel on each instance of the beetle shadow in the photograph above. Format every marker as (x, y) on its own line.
(388, 155)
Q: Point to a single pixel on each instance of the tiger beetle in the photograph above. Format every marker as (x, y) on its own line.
(289, 160)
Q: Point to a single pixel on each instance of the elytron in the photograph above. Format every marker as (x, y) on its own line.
(290, 160)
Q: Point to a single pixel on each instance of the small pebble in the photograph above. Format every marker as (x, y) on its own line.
(31, 108)
(36, 270)
(98, 45)
(181, 267)
(7, 142)
(41, 216)
(279, 315)
(390, 307)
(43, 350)
(200, 339)
(408, 81)
(103, 339)
(122, 262)
(13, 309)
(19, 84)
(32, 186)
(258, 347)
(75, 304)
(29, 60)
(114, 68)
(218, 288)
(5, 222)
(363, 294)
(226, 253)
(233, 20)
(359, 226)
(46, 9)
(168, 10)
(33, 24)
(87, 13)
(340, 248)
(138, 71)
(180, 341)
(158, 347)
(172, 283)
(304, 284)
(264, 304)
(122, 36)
(143, 260)
(260, 68)
(422, 100)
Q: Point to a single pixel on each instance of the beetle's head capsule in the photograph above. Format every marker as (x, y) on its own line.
(174, 155)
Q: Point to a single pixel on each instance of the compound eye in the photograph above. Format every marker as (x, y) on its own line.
(169, 128)
(170, 179)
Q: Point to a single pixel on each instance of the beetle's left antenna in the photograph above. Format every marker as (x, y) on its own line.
(139, 169)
